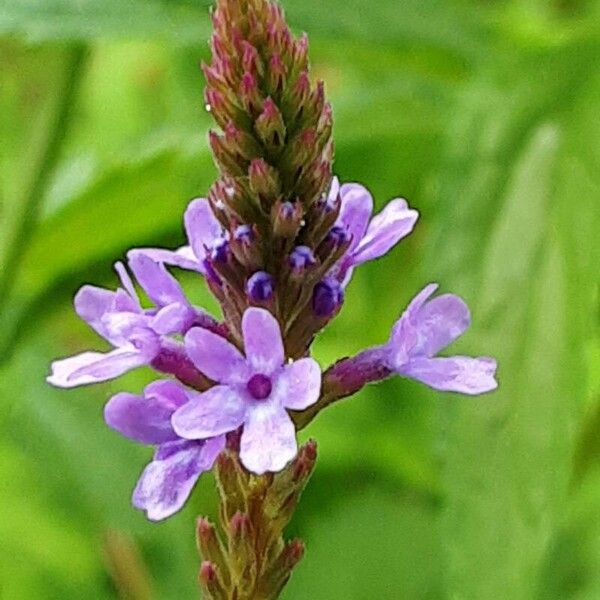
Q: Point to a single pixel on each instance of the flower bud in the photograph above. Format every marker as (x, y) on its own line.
(287, 218)
(301, 258)
(260, 288)
(264, 180)
(270, 126)
(211, 548)
(246, 247)
(210, 582)
(328, 296)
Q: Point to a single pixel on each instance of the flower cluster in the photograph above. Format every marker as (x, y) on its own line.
(277, 241)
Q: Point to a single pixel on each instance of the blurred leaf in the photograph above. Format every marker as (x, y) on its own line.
(432, 22)
(508, 455)
(371, 545)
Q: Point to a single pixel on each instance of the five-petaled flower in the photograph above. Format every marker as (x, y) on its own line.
(253, 391)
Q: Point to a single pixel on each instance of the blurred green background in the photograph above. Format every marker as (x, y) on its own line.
(486, 116)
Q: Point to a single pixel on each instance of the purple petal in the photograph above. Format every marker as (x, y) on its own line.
(262, 340)
(166, 484)
(456, 374)
(334, 190)
(127, 284)
(174, 318)
(162, 288)
(355, 211)
(182, 257)
(426, 327)
(92, 367)
(218, 410)
(404, 336)
(146, 419)
(215, 356)
(91, 304)
(299, 384)
(268, 440)
(202, 227)
(385, 230)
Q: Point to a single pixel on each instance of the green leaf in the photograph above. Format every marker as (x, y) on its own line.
(508, 455)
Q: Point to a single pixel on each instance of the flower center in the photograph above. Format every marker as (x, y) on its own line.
(259, 386)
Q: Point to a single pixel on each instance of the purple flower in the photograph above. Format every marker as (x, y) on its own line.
(425, 328)
(134, 333)
(253, 391)
(204, 232)
(167, 481)
(372, 238)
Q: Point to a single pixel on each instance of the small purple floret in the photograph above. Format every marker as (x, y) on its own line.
(259, 386)
(220, 252)
(301, 258)
(244, 234)
(328, 296)
(260, 287)
(337, 236)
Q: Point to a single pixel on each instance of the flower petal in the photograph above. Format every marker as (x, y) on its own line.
(174, 318)
(92, 367)
(456, 374)
(217, 358)
(299, 384)
(355, 211)
(91, 304)
(426, 327)
(146, 419)
(128, 286)
(218, 410)
(166, 484)
(268, 440)
(162, 288)
(262, 340)
(182, 257)
(404, 336)
(385, 230)
(202, 227)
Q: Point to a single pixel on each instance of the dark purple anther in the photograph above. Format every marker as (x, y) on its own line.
(328, 297)
(337, 236)
(260, 287)
(244, 234)
(301, 258)
(259, 386)
(220, 252)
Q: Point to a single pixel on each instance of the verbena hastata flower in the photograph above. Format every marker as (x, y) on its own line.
(167, 481)
(425, 328)
(253, 391)
(204, 234)
(276, 240)
(369, 238)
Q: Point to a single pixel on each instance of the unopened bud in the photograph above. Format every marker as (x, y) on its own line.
(270, 126)
(301, 258)
(249, 93)
(220, 252)
(328, 297)
(276, 75)
(287, 218)
(264, 180)
(260, 288)
(210, 582)
(211, 548)
(245, 246)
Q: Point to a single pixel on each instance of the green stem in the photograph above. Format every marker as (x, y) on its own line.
(45, 157)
